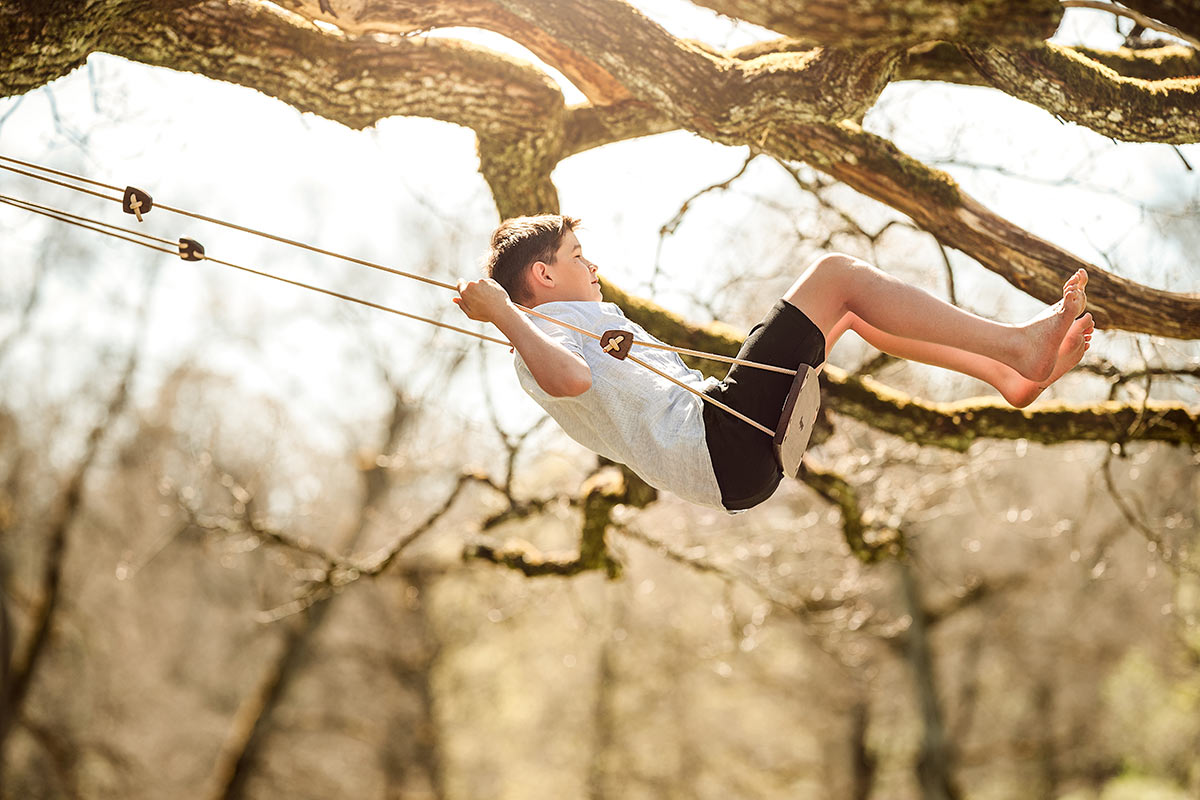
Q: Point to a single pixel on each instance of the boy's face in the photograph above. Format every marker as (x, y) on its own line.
(574, 276)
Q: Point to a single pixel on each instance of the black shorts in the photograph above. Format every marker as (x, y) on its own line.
(743, 457)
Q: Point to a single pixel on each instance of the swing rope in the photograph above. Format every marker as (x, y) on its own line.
(361, 262)
(177, 249)
(137, 202)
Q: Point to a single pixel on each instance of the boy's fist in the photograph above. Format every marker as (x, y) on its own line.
(483, 300)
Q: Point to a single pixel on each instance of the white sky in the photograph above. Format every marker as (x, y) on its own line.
(408, 193)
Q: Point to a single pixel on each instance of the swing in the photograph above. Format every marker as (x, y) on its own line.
(790, 437)
(796, 419)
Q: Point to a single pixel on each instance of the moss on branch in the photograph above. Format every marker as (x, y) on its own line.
(602, 493)
(1076, 88)
(869, 543)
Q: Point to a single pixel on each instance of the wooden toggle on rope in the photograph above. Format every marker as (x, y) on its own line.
(790, 436)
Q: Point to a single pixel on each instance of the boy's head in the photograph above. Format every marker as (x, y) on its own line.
(538, 260)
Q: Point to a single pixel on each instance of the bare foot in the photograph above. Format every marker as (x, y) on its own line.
(1039, 354)
(1020, 392)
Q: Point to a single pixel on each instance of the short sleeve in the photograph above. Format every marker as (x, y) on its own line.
(572, 340)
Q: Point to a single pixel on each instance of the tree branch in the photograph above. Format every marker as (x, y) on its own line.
(858, 23)
(935, 202)
(515, 109)
(1154, 64)
(610, 487)
(869, 543)
(1141, 19)
(1076, 88)
(1183, 15)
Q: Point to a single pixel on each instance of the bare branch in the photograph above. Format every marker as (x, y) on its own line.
(1140, 19)
(601, 494)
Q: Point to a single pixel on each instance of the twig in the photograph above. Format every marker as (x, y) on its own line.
(1165, 552)
(1141, 19)
(669, 228)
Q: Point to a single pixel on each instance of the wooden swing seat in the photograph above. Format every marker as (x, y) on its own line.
(796, 422)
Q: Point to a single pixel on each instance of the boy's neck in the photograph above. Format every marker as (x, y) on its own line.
(546, 300)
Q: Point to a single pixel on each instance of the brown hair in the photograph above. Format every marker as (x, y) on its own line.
(519, 243)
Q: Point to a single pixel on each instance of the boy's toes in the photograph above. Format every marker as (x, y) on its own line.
(1074, 301)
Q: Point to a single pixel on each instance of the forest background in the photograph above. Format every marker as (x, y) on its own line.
(257, 542)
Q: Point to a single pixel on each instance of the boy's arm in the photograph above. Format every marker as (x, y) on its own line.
(557, 370)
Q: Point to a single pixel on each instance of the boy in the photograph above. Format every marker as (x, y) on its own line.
(673, 439)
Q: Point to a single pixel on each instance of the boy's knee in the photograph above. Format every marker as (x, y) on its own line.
(834, 264)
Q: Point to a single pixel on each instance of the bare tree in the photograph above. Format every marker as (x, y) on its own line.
(797, 98)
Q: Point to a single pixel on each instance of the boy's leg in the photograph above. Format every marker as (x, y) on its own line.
(1016, 389)
(837, 284)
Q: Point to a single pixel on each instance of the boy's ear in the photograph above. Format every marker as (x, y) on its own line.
(540, 274)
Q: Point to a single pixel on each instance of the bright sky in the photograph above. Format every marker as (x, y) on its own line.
(408, 193)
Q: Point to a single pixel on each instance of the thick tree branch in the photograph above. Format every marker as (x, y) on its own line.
(1076, 88)
(957, 426)
(1154, 64)
(855, 23)
(515, 109)
(933, 199)
(407, 17)
(711, 91)
(44, 40)
(355, 82)
(591, 126)
(877, 168)
(945, 63)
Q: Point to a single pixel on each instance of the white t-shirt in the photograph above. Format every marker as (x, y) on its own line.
(629, 414)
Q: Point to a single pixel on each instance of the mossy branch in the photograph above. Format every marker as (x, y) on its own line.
(602, 493)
